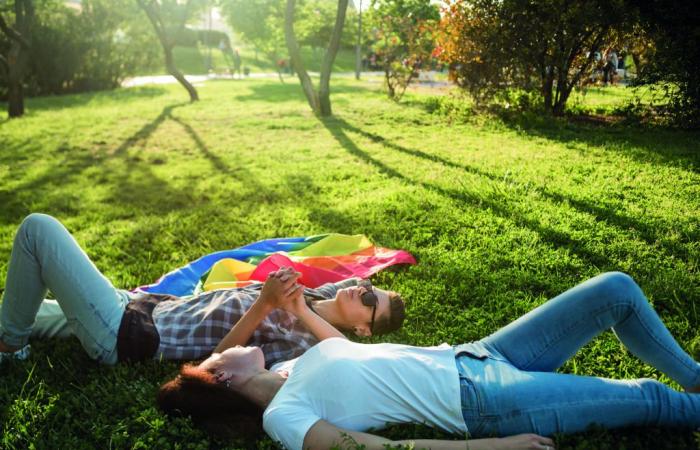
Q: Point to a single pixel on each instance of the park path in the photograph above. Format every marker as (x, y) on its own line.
(199, 79)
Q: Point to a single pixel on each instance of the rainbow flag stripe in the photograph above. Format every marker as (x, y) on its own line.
(320, 259)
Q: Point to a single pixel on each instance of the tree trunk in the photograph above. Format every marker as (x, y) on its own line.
(18, 55)
(560, 104)
(15, 98)
(390, 90)
(296, 61)
(173, 70)
(547, 84)
(15, 91)
(324, 90)
(637, 64)
(320, 101)
(167, 44)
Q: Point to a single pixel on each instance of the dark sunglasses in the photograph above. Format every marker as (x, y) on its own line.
(369, 298)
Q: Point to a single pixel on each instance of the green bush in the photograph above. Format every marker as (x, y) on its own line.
(91, 49)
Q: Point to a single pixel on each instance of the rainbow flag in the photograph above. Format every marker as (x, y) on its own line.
(320, 259)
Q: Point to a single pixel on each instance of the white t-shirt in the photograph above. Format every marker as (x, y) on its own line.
(362, 386)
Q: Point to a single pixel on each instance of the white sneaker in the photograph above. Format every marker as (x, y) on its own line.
(21, 354)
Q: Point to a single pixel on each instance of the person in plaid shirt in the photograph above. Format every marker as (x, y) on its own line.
(116, 325)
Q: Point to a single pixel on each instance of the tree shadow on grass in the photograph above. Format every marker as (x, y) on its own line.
(500, 206)
(288, 92)
(601, 214)
(306, 193)
(75, 162)
(132, 181)
(59, 102)
(165, 196)
(648, 144)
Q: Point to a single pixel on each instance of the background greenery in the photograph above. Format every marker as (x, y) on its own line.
(501, 211)
(194, 60)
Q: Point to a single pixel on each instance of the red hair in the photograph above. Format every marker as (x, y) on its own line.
(219, 410)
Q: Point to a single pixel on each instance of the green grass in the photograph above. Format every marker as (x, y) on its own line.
(613, 100)
(501, 215)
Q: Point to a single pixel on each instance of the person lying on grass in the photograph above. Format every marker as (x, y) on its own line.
(502, 391)
(116, 325)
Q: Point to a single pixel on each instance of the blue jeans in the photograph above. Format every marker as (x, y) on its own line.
(508, 382)
(46, 257)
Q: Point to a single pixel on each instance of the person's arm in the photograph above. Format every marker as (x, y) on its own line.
(329, 290)
(278, 288)
(323, 435)
(316, 324)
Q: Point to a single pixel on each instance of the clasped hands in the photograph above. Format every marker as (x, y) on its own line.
(281, 290)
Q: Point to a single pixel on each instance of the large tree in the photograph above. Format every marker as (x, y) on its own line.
(319, 100)
(260, 23)
(168, 18)
(14, 64)
(545, 46)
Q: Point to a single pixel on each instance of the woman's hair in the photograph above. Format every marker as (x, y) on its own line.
(221, 411)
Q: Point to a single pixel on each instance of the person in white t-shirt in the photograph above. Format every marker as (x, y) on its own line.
(501, 392)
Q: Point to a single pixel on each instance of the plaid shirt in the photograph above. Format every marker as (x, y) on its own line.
(190, 328)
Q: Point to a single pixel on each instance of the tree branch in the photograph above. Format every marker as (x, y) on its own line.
(591, 55)
(295, 56)
(154, 18)
(334, 44)
(12, 33)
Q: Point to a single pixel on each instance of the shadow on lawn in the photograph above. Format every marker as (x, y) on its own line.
(162, 197)
(131, 180)
(501, 207)
(648, 144)
(59, 102)
(306, 193)
(288, 92)
(610, 216)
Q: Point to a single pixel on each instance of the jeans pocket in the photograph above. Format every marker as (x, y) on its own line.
(478, 421)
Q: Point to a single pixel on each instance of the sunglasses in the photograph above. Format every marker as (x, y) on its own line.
(369, 298)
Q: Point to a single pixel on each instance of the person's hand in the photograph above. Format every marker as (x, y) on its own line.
(525, 442)
(296, 304)
(280, 287)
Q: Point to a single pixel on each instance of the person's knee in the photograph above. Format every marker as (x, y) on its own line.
(37, 221)
(653, 390)
(620, 282)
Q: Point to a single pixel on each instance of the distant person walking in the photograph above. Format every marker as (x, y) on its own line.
(610, 69)
(232, 58)
(613, 66)
(236, 63)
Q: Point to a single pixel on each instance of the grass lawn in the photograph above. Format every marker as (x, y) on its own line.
(501, 215)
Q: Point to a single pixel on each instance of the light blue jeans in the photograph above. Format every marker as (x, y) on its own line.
(508, 382)
(45, 257)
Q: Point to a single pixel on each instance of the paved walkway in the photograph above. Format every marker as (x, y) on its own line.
(200, 79)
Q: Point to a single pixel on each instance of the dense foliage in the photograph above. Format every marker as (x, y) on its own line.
(674, 66)
(401, 36)
(95, 48)
(261, 24)
(544, 46)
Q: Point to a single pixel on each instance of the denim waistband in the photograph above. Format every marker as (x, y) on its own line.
(478, 350)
